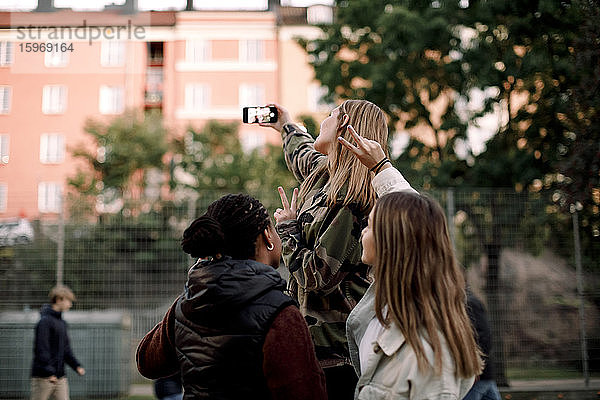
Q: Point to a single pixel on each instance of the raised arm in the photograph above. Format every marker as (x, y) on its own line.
(298, 146)
(301, 157)
(337, 237)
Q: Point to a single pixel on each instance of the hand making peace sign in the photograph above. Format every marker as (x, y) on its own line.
(289, 210)
(368, 152)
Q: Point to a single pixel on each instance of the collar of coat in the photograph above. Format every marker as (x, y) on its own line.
(390, 340)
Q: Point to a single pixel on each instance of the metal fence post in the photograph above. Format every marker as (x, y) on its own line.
(450, 211)
(584, 354)
(60, 248)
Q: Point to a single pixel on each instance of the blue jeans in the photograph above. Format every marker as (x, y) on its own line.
(177, 396)
(483, 390)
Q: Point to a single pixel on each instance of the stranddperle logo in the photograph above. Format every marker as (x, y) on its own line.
(83, 32)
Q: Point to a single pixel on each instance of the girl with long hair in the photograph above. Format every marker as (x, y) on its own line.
(233, 333)
(320, 229)
(410, 336)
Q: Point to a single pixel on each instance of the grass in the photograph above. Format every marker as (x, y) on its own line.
(542, 373)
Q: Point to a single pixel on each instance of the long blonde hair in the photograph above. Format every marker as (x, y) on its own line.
(418, 279)
(343, 168)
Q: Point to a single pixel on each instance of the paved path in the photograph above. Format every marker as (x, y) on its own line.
(141, 389)
(550, 385)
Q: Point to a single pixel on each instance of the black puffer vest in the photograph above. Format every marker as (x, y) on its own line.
(221, 322)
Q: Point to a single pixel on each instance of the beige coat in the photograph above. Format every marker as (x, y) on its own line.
(392, 372)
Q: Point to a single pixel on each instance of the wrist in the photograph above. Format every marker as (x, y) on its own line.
(384, 166)
(379, 166)
(287, 227)
(288, 127)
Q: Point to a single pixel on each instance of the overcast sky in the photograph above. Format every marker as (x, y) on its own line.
(26, 5)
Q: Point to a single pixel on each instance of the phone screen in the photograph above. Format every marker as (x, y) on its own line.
(255, 115)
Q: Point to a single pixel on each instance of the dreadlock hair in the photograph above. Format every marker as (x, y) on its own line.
(230, 227)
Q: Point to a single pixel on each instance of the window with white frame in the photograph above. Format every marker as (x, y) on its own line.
(49, 197)
(197, 96)
(319, 14)
(197, 51)
(252, 141)
(4, 149)
(6, 53)
(52, 148)
(315, 94)
(5, 94)
(56, 58)
(3, 196)
(111, 99)
(252, 51)
(54, 99)
(112, 53)
(251, 95)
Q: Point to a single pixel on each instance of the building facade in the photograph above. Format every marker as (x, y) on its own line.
(192, 65)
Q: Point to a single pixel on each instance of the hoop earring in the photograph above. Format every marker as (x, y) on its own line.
(270, 246)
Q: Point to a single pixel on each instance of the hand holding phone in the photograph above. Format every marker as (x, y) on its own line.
(259, 115)
(283, 117)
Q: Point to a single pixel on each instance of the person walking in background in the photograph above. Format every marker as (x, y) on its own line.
(485, 387)
(233, 333)
(52, 349)
(168, 388)
(409, 336)
(320, 229)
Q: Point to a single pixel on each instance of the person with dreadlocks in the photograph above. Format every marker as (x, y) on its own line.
(233, 333)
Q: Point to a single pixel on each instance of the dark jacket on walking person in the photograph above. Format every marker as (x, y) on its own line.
(52, 348)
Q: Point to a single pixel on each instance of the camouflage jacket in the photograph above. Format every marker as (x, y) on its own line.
(322, 250)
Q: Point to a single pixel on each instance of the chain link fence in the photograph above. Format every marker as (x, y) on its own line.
(518, 249)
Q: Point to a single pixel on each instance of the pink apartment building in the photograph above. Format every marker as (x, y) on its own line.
(193, 65)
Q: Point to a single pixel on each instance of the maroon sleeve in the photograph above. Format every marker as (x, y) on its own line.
(290, 364)
(156, 356)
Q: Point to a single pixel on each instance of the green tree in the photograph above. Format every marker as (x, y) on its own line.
(579, 179)
(527, 51)
(420, 60)
(212, 159)
(122, 150)
(402, 56)
(310, 124)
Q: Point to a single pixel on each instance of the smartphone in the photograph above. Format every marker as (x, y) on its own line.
(255, 115)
